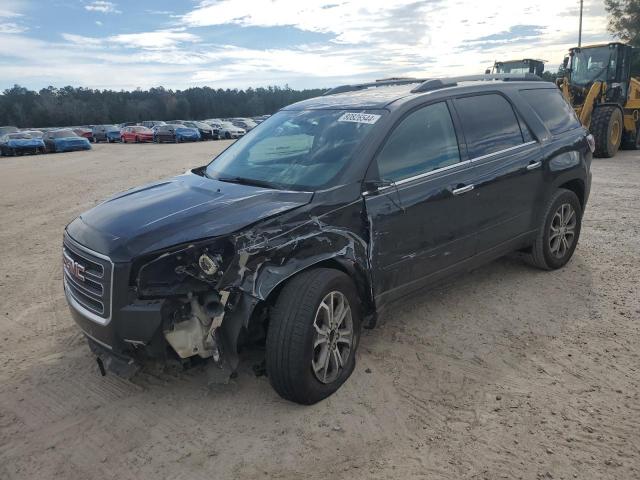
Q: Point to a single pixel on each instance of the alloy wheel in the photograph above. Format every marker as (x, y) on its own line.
(333, 339)
(562, 231)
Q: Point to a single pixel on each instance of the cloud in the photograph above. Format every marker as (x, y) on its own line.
(232, 43)
(157, 40)
(102, 7)
(11, 27)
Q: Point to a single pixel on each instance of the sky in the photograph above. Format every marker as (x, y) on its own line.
(125, 44)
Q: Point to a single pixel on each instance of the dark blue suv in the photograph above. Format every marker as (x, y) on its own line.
(305, 230)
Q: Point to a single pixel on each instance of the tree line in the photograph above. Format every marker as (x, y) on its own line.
(67, 106)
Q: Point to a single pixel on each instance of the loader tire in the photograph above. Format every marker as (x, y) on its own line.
(607, 128)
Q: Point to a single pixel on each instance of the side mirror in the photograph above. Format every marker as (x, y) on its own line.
(565, 62)
(487, 71)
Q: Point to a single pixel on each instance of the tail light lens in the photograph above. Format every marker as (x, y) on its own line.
(592, 143)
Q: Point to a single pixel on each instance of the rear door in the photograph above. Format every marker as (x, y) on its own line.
(420, 223)
(505, 166)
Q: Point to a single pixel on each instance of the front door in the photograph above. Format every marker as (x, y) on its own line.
(419, 221)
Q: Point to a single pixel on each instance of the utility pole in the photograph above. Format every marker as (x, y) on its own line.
(580, 29)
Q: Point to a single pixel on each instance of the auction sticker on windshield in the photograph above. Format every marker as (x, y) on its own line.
(358, 117)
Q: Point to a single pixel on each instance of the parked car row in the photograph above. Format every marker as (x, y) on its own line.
(14, 141)
(23, 142)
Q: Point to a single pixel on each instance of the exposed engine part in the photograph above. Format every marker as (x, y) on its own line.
(195, 335)
(208, 264)
(210, 341)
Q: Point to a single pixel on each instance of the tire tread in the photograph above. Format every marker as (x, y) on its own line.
(288, 326)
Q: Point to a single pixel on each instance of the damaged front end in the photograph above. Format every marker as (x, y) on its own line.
(191, 304)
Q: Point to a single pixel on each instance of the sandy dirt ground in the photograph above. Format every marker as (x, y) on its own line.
(506, 372)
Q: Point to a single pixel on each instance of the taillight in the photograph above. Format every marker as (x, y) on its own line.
(592, 143)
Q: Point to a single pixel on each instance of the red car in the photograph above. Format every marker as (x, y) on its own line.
(84, 132)
(136, 133)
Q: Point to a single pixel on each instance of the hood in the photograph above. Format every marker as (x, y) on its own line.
(25, 142)
(179, 210)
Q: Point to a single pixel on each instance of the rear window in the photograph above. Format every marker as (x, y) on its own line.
(552, 109)
(489, 124)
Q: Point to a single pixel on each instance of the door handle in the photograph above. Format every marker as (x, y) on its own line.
(461, 190)
(534, 165)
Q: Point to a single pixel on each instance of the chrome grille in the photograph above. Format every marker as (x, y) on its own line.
(87, 280)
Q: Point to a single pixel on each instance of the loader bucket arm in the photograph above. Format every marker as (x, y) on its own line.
(589, 103)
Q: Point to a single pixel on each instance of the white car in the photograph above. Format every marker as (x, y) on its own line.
(229, 130)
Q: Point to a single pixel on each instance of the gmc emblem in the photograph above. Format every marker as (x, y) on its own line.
(72, 267)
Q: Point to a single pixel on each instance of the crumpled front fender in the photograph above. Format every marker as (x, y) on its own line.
(268, 255)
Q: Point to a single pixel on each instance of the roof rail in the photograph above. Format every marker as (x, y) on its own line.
(506, 77)
(434, 84)
(382, 83)
(428, 84)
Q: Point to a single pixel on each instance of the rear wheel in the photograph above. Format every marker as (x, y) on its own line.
(607, 128)
(313, 335)
(558, 232)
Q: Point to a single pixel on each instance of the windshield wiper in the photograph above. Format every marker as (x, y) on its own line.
(247, 181)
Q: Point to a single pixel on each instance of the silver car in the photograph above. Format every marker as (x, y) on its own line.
(229, 130)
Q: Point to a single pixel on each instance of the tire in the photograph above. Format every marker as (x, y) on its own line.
(227, 135)
(607, 127)
(291, 357)
(137, 140)
(542, 252)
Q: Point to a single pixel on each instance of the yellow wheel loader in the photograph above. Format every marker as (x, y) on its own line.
(599, 84)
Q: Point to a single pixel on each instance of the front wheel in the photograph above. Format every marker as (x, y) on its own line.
(559, 231)
(313, 334)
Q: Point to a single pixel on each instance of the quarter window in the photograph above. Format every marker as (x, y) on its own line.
(489, 124)
(424, 141)
(552, 109)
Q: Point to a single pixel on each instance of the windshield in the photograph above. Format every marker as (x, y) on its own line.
(227, 124)
(591, 64)
(19, 135)
(300, 150)
(512, 67)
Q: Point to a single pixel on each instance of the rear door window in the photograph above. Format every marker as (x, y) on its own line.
(552, 109)
(489, 124)
(424, 141)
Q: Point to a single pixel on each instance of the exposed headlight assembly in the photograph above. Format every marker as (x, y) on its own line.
(192, 269)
